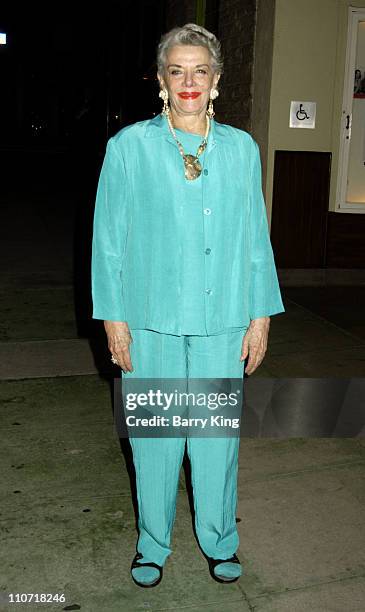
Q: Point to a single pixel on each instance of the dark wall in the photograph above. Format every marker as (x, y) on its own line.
(179, 12)
(236, 31)
(233, 22)
(300, 208)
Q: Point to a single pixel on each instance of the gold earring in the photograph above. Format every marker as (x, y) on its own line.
(210, 109)
(165, 97)
(213, 95)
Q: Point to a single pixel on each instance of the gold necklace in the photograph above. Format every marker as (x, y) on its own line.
(192, 164)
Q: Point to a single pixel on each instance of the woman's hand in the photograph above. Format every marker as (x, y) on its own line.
(119, 339)
(254, 343)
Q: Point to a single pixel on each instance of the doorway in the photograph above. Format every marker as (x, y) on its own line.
(351, 177)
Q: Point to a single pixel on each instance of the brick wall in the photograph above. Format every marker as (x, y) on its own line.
(179, 12)
(236, 31)
(265, 18)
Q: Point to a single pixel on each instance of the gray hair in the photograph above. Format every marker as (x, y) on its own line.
(190, 34)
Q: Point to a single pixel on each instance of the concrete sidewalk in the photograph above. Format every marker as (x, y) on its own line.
(69, 525)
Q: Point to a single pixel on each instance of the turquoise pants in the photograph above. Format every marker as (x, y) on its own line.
(214, 461)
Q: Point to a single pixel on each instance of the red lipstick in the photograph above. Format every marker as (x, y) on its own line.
(186, 95)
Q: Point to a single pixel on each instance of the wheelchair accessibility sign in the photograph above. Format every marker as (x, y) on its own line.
(303, 115)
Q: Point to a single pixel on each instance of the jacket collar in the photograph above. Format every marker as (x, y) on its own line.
(158, 127)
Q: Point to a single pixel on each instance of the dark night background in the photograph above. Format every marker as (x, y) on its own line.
(76, 71)
(72, 74)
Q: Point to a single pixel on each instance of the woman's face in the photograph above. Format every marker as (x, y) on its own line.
(188, 78)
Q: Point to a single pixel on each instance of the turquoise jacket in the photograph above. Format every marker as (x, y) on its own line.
(163, 244)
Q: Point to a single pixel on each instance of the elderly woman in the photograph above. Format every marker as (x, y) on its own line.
(183, 277)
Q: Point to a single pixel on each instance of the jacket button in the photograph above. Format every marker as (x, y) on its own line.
(206, 172)
(207, 211)
(208, 291)
(208, 251)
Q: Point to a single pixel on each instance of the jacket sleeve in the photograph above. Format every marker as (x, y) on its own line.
(109, 238)
(265, 297)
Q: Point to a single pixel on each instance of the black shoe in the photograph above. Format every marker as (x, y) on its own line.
(214, 562)
(136, 563)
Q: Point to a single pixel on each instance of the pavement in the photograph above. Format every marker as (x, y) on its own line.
(68, 511)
